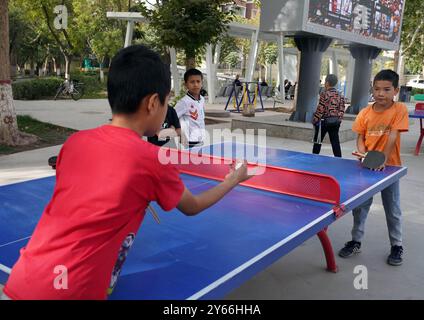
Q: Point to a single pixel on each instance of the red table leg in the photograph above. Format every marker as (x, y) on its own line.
(328, 250)
(420, 140)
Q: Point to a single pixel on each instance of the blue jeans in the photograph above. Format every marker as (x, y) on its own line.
(391, 203)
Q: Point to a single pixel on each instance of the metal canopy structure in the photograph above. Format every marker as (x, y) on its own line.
(241, 31)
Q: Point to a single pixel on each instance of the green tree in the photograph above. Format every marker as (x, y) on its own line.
(412, 37)
(267, 56)
(41, 13)
(29, 43)
(103, 36)
(188, 24)
(232, 59)
(9, 132)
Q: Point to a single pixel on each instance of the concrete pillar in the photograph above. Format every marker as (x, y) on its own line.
(349, 77)
(174, 71)
(280, 41)
(363, 55)
(311, 49)
(129, 34)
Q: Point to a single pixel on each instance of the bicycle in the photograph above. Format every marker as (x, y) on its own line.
(71, 88)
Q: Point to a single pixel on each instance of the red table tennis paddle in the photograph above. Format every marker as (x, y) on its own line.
(372, 159)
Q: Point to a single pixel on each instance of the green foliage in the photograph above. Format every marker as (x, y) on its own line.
(104, 37)
(89, 31)
(268, 53)
(188, 24)
(93, 88)
(35, 88)
(413, 22)
(28, 40)
(46, 88)
(415, 91)
(233, 58)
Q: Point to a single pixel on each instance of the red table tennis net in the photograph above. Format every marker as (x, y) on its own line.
(304, 184)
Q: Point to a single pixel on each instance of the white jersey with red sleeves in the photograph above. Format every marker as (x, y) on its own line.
(191, 113)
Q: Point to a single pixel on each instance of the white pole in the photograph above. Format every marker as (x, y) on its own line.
(335, 65)
(252, 55)
(280, 41)
(174, 71)
(129, 34)
(210, 73)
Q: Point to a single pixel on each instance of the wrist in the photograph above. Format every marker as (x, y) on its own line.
(230, 182)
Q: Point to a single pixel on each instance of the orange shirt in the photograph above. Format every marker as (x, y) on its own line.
(376, 127)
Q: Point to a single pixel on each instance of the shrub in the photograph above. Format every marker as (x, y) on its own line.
(36, 88)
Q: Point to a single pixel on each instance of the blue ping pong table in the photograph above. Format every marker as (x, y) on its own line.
(208, 255)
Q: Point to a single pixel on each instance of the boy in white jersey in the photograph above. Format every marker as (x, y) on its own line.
(191, 110)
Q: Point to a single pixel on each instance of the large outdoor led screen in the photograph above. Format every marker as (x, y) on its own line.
(361, 20)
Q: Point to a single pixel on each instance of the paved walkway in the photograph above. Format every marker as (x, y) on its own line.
(300, 274)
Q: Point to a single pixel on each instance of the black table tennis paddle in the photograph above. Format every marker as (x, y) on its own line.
(52, 162)
(372, 159)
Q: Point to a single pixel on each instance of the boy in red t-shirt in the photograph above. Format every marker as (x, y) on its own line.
(105, 179)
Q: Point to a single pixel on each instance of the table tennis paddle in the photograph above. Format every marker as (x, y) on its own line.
(52, 162)
(372, 159)
(164, 134)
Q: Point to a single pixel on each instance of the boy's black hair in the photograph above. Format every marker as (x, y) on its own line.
(387, 75)
(135, 72)
(192, 72)
(331, 79)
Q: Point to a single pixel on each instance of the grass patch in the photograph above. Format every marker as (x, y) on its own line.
(49, 135)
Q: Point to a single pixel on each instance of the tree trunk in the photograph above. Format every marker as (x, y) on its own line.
(190, 63)
(190, 58)
(68, 59)
(54, 65)
(46, 62)
(9, 133)
(102, 74)
(396, 60)
(32, 69)
(243, 66)
(400, 67)
(13, 64)
(166, 58)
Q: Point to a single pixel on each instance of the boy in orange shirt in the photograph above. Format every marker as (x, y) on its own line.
(378, 127)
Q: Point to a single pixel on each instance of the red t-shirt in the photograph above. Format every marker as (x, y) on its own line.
(105, 179)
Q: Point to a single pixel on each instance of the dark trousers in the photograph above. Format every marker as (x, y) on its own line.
(333, 132)
(192, 144)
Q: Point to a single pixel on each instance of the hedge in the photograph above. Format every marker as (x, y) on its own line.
(36, 88)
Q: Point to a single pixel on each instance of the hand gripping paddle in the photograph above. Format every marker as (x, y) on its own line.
(371, 159)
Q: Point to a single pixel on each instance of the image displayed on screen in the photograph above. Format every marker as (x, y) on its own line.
(378, 19)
